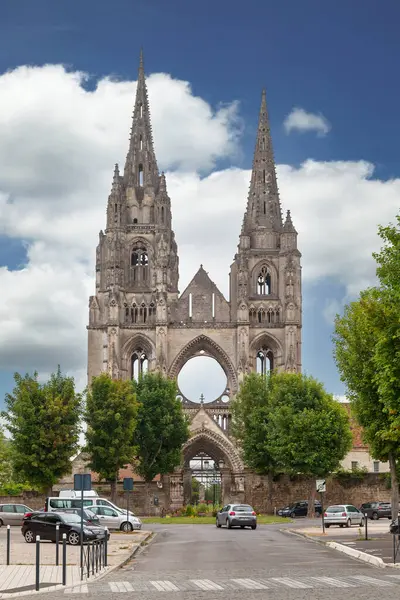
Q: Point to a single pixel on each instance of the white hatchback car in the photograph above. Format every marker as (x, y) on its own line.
(344, 515)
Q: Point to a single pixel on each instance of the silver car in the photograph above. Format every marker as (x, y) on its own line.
(344, 515)
(236, 515)
(13, 514)
(113, 519)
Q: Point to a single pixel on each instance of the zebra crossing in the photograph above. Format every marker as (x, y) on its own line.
(167, 586)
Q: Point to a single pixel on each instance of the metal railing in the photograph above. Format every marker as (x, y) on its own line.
(94, 557)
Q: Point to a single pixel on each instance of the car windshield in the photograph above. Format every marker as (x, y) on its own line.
(335, 509)
(242, 508)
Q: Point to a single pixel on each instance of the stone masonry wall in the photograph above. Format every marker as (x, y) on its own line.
(287, 490)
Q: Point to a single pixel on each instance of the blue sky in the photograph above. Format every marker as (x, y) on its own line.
(339, 61)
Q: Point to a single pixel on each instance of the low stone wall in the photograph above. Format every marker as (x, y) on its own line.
(284, 491)
(338, 490)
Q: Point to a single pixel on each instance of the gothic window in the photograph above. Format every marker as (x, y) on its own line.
(265, 361)
(139, 265)
(162, 214)
(139, 364)
(263, 143)
(261, 315)
(263, 175)
(140, 173)
(152, 311)
(134, 313)
(143, 313)
(264, 282)
(141, 110)
(135, 221)
(140, 143)
(253, 315)
(265, 208)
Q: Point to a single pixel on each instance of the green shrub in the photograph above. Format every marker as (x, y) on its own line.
(202, 508)
(190, 511)
(14, 489)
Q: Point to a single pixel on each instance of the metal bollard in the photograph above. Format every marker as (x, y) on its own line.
(64, 559)
(366, 526)
(37, 580)
(57, 543)
(8, 543)
(105, 547)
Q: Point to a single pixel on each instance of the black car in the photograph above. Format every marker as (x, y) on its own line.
(88, 515)
(299, 509)
(377, 510)
(44, 525)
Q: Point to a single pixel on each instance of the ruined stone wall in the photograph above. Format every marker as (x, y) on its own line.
(287, 490)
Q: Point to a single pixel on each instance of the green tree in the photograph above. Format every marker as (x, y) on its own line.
(250, 418)
(308, 430)
(367, 353)
(162, 427)
(5, 460)
(111, 418)
(43, 420)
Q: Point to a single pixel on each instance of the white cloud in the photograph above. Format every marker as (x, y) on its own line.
(58, 145)
(303, 121)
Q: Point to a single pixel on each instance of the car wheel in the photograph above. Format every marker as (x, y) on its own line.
(327, 526)
(341, 525)
(217, 524)
(293, 515)
(127, 527)
(254, 526)
(73, 538)
(374, 516)
(348, 523)
(29, 536)
(228, 524)
(362, 523)
(1, 523)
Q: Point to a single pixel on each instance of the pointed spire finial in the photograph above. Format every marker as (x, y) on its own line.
(288, 226)
(115, 181)
(163, 183)
(141, 61)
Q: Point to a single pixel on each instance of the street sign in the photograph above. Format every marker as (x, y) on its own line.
(82, 482)
(128, 484)
(321, 485)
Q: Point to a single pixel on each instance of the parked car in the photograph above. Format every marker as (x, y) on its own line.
(55, 503)
(13, 514)
(344, 515)
(44, 525)
(236, 515)
(377, 510)
(113, 519)
(299, 509)
(88, 515)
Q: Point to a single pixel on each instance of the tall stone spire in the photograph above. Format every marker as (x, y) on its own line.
(263, 205)
(141, 165)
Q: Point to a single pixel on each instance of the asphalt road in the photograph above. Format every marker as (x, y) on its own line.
(194, 562)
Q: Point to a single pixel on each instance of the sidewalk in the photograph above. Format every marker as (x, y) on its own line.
(18, 579)
(379, 543)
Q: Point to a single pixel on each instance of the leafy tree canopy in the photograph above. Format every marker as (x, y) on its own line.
(43, 420)
(111, 418)
(162, 427)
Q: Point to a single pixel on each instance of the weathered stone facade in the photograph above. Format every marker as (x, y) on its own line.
(138, 320)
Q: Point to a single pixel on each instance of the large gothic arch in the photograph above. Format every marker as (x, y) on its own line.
(203, 345)
(219, 447)
(178, 326)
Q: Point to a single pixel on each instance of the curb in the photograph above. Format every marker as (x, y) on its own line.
(58, 587)
(368, 558)
(357, 554)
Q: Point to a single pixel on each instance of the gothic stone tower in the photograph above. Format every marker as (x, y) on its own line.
(138, 320)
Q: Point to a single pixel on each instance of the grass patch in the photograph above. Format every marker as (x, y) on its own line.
(261, 519)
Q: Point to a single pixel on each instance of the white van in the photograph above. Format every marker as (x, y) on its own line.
(75, 494)
(54, 503)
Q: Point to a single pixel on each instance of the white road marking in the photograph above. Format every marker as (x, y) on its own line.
(333, 581)
(372, 580)
(78, 589)
(113, 586)
(206, 584)
(291, 582)
(249, 584)
(164, 586)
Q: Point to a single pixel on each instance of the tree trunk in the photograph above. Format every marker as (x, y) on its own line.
(147, 498)
(395, 486)
(270, 478)
(311, 500)
(114, 490)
